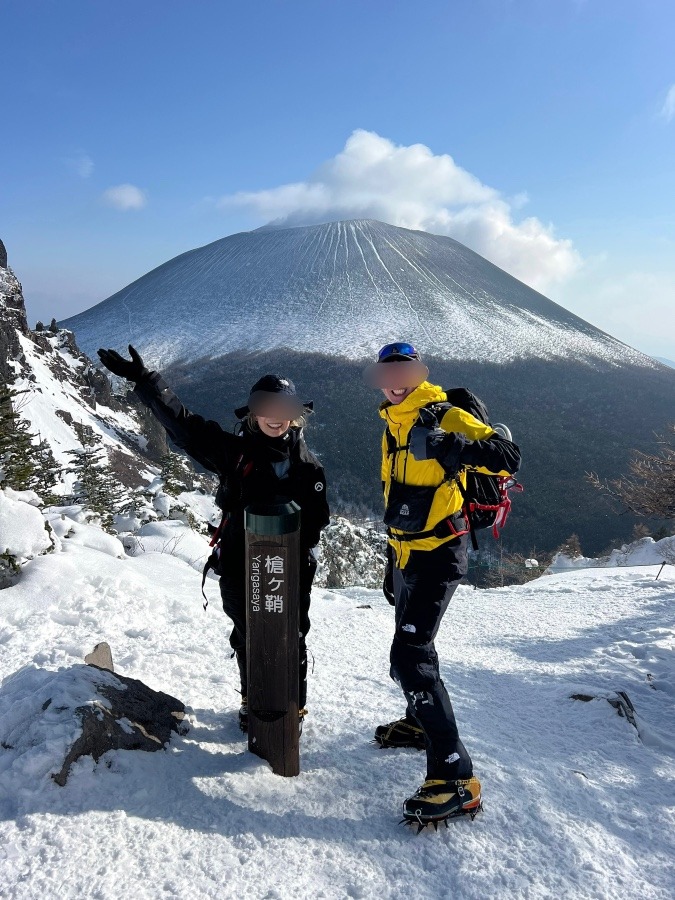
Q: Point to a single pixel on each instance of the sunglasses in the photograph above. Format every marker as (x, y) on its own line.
(398, 373)
(397, 349)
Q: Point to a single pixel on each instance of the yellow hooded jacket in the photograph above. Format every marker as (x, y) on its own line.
(401, 466)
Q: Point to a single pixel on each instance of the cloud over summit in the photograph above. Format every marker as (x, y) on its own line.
(373, 178)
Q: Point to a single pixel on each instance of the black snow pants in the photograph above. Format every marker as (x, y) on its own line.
(233, 593)
(422, 592)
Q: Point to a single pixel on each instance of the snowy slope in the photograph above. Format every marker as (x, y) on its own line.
(341, 288)
(51, 404)
(577, 803)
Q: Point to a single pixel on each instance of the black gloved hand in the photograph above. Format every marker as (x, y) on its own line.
(132, 370)
(388, 582)
(424, 442)
(444, 446)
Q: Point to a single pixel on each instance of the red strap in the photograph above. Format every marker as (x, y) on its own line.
(216, 533)
(503, 508)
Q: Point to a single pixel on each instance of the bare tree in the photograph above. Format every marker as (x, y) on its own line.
(648, 489)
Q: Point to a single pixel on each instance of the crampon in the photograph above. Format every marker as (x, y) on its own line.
(423, 823)
(403, 732)
(440, 800)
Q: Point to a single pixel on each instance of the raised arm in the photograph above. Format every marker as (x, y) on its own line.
(202, 439)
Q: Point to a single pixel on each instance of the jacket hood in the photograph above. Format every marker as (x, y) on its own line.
(400, 412)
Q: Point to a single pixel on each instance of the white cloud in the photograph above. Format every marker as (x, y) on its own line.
(125, 197)
(633, 306)
(668, 108)
(372, 178)
(81, 164)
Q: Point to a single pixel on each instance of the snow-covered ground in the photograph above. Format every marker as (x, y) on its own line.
(577, 802)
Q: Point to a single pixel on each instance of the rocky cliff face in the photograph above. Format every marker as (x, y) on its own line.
(12, 317)
(62, 392)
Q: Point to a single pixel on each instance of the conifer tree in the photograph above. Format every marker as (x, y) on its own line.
(571, 547)
(94, 486)
(175, 473)
(17, 465)
(47, 472)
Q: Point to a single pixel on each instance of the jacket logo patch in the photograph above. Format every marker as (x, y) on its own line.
(405, 511)
(318, 486)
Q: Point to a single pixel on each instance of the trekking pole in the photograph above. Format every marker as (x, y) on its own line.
(272, 588)
(659, 572)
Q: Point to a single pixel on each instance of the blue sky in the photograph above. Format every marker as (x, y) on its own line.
(539, 132)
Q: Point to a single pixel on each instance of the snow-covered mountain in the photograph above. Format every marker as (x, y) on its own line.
(343, 289)
(313, 302)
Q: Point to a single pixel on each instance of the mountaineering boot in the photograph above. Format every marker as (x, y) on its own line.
(403, 732)
(439, 799)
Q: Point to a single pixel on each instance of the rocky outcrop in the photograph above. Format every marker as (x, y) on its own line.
(12, 322)
(350, 555)
(126, 715)
(78, 711)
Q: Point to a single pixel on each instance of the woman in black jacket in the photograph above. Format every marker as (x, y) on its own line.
(267, 462)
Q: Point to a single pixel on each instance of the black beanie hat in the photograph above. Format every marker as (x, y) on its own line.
(272, 384)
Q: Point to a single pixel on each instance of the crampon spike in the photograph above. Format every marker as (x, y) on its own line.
(472, 813)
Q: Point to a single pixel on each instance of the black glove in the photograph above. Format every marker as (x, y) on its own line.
(388, 582)
(444, 446)
(424, 441)
(132, 370)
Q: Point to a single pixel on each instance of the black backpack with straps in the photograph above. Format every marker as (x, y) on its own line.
(228, 496)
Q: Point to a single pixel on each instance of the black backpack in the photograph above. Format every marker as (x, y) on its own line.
(486, 499)
(228, 496)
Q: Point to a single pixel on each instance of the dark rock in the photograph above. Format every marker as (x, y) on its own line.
(3, 256)
(619, 700)
(12, 320)
(65, 415)
(134, 718)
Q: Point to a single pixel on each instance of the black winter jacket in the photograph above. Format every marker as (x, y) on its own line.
(252, 467)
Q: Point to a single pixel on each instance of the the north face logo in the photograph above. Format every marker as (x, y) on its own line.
(404, 510)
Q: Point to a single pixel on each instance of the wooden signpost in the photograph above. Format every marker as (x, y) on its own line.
(272, 559)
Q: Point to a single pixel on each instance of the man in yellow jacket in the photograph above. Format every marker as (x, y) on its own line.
(427, 447)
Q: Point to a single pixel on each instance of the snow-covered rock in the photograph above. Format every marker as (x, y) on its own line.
(643, 552)
(170, 537)
(71, 525)
(23, 532)
(350, 554)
